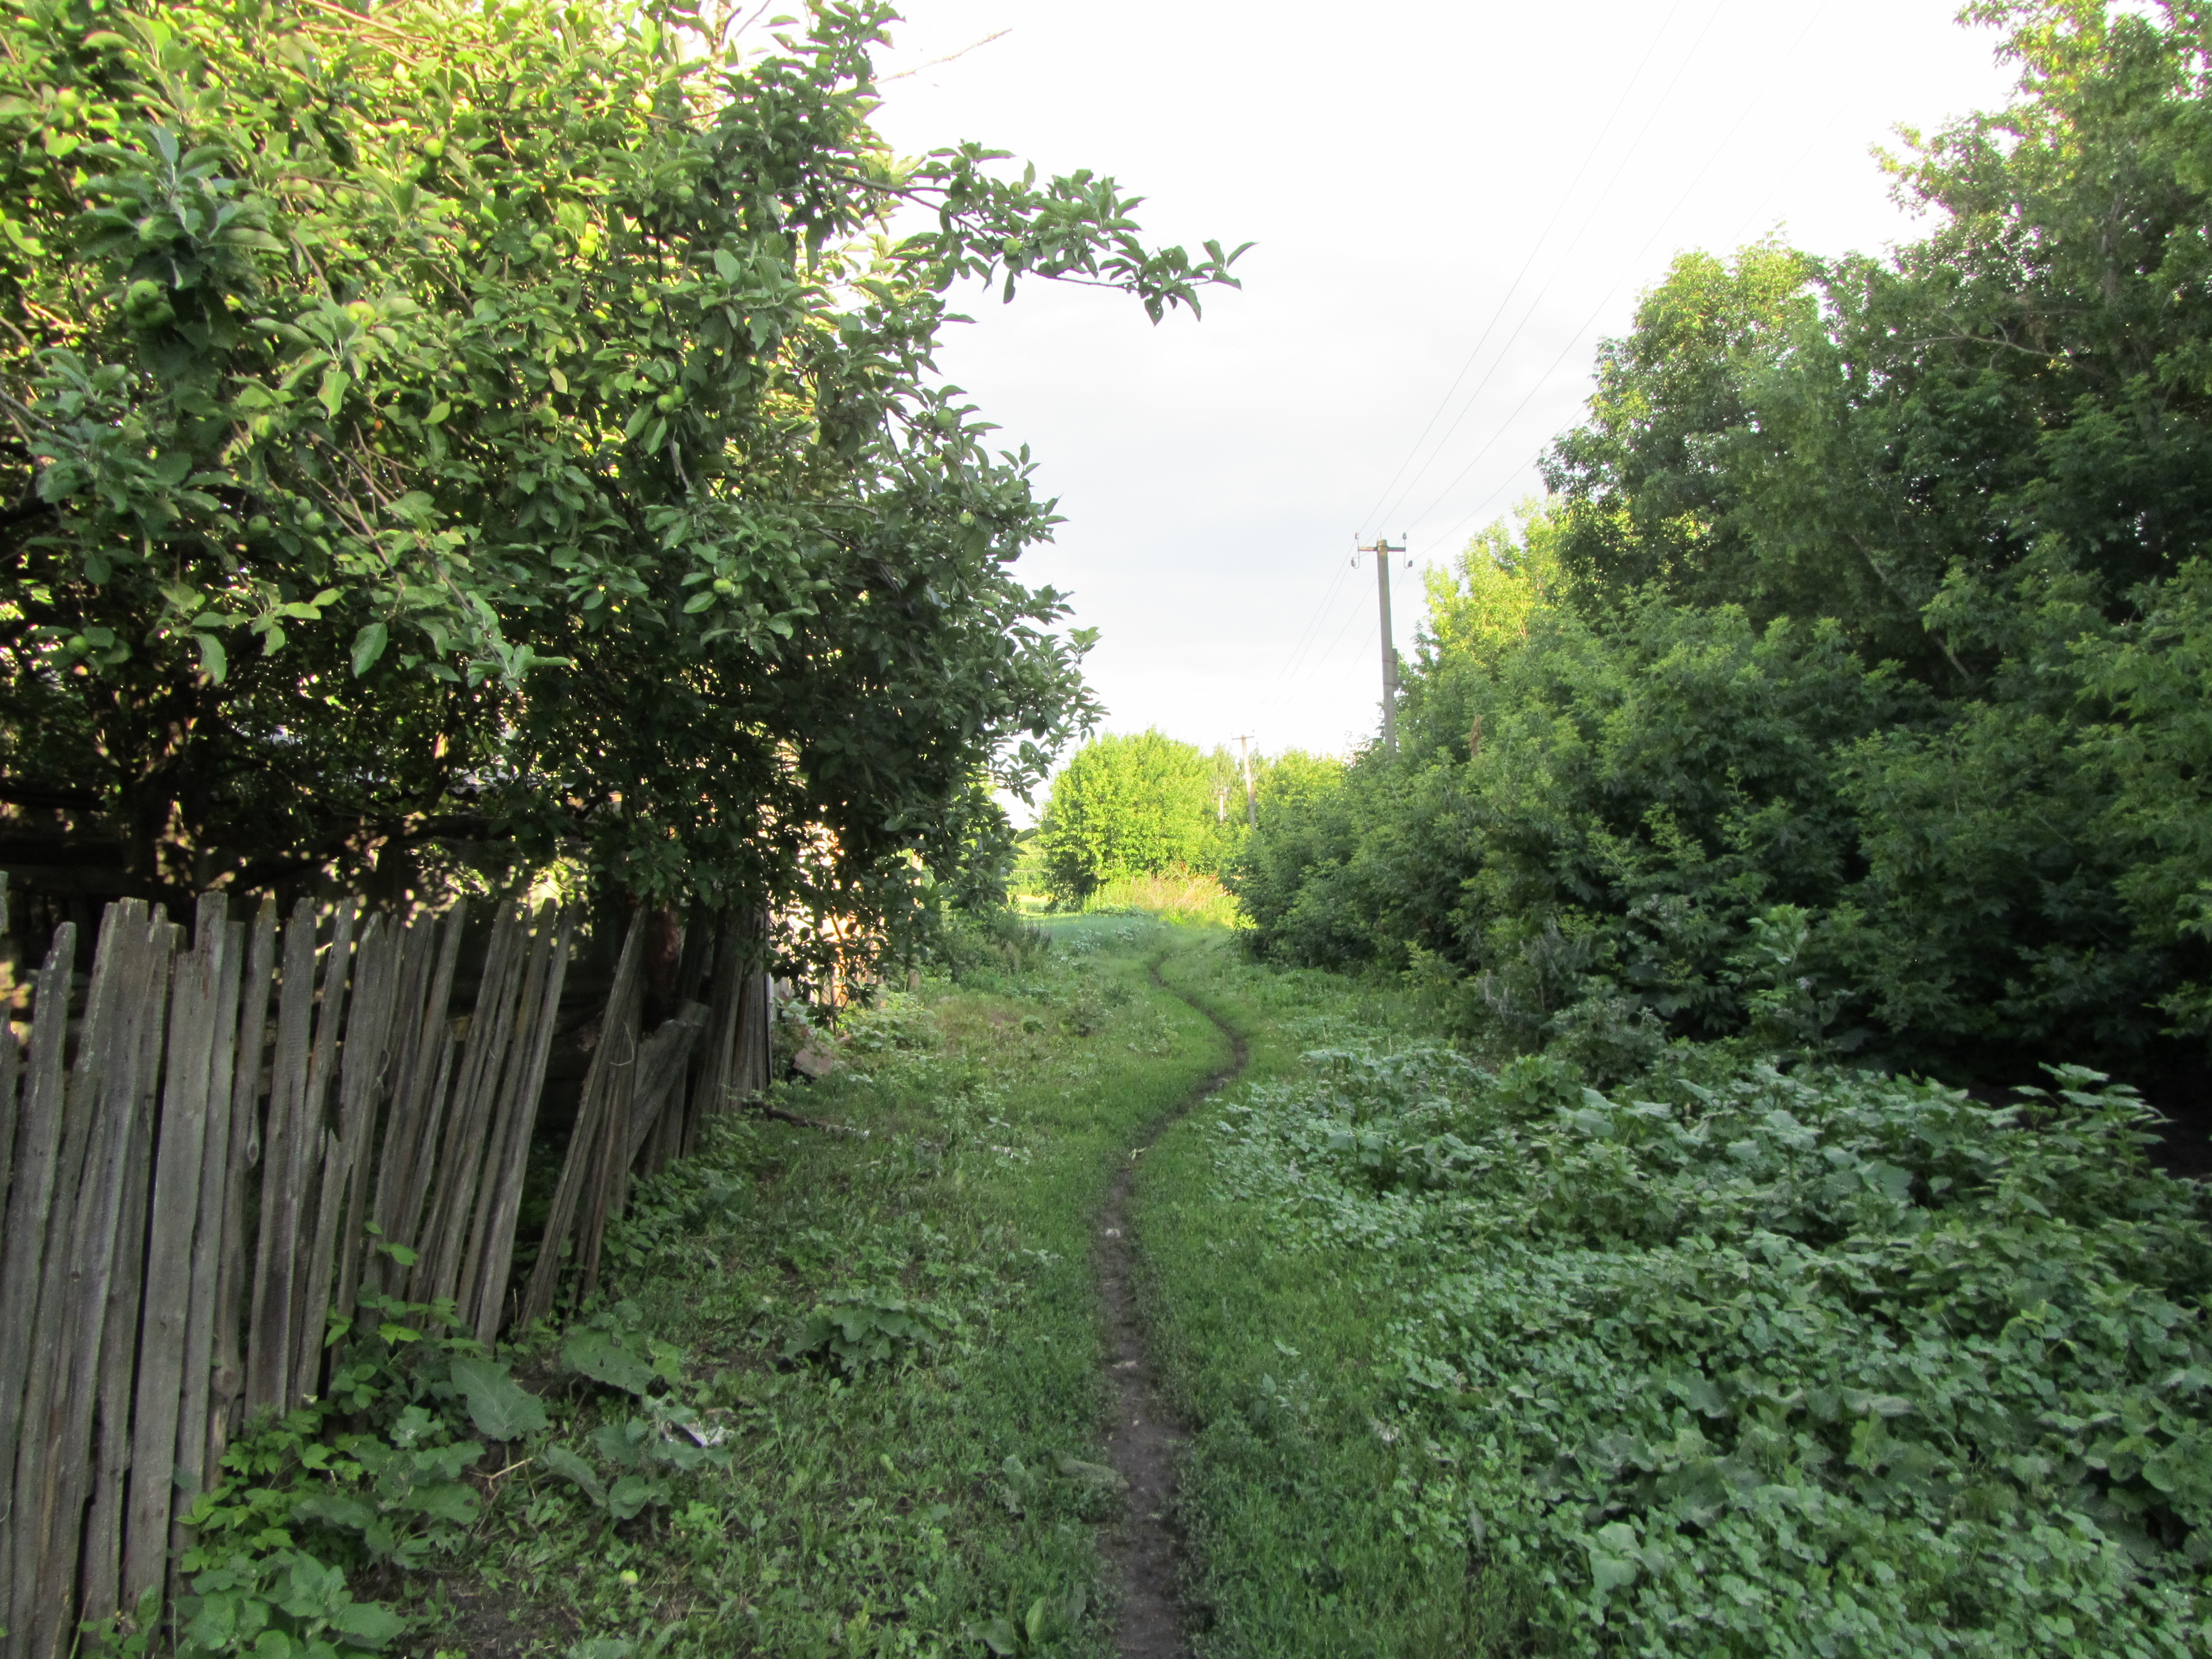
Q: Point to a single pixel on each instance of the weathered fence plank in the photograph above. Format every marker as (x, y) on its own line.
(30, 1202)
(227, 1385)
(444, 1231)
(109, 1054)
(418, 1113)
(611, 1060)
(311, 1295)
(499, 1204)
(211, 1212)
(164, 1329)
(268, 1337)
(368, 1018)
(661, 1062)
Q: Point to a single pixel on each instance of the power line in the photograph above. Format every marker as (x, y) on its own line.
(1313, 623)
(1565, 196)
(1571, 246)
(1590, 219)
(1575, 340)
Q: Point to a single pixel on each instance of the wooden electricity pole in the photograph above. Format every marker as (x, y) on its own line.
(1382, 550)
(1251, 799)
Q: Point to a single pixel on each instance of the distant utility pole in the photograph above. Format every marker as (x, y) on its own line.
(1382, 550)
(1251, 800)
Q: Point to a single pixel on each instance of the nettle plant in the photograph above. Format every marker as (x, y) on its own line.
(508, 421)
(1880, 1363)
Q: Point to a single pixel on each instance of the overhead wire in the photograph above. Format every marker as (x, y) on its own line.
(1627, 268)
(1313, 623)
(1535, 248)
(1589, 219)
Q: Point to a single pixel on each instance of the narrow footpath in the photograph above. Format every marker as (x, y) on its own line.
(1145, 1440)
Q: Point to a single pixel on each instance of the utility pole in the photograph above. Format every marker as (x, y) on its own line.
(1382, 550)
(1251, 799)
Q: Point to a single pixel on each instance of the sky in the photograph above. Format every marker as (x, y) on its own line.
(1450, 205)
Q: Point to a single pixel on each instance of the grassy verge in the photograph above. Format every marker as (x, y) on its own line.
(942, 1234)
(841, 1394)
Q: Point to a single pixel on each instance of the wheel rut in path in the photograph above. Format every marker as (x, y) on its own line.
(1145, 1439)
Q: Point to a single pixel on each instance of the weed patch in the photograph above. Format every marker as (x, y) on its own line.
(1823, 1363)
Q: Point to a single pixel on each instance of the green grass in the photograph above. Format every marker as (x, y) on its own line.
(891, 1511)
(1187, 898)
(1827, 1364)
(1300, 1497)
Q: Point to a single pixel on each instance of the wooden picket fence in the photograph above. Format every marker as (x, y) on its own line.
(194, 1190)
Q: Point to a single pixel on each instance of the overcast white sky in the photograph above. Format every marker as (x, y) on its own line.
(1431, 187)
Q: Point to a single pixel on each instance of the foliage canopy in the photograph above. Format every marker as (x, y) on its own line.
(514, 422)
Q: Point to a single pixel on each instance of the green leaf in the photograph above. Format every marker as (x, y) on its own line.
(214, 662)
(632, 1493)
(447, 1500)
(499, 1407)
(604, 1358)
(367, 647)
(574, 1470)
(369, 1624)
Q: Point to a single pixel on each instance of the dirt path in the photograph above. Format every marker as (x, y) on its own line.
(1145, 1439)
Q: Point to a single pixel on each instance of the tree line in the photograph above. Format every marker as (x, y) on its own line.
(1847, 692)
(1143, 804)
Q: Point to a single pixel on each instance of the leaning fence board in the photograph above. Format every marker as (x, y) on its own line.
(108, 1515)
(211, 1212)
(30, 1202)
(468, 1117)
(311, 1293)
(105, 1516)
(579, 1169)
(414, 945)
(500, 1258)
(499, 1192)
(196, 991)
(418, 1114)
(108, 1061)
(227, 1385)
(47, 1399)
(661, 1059)
(368, 1017)
(268, 1337)
(500, 1077)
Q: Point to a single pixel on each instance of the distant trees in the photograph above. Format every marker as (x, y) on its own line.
(1127, 805)
(1144, 804)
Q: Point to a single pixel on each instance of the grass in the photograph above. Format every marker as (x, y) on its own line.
(1296, 1491)
(1825, 1362)
(901, 1508)
(1186, 898)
